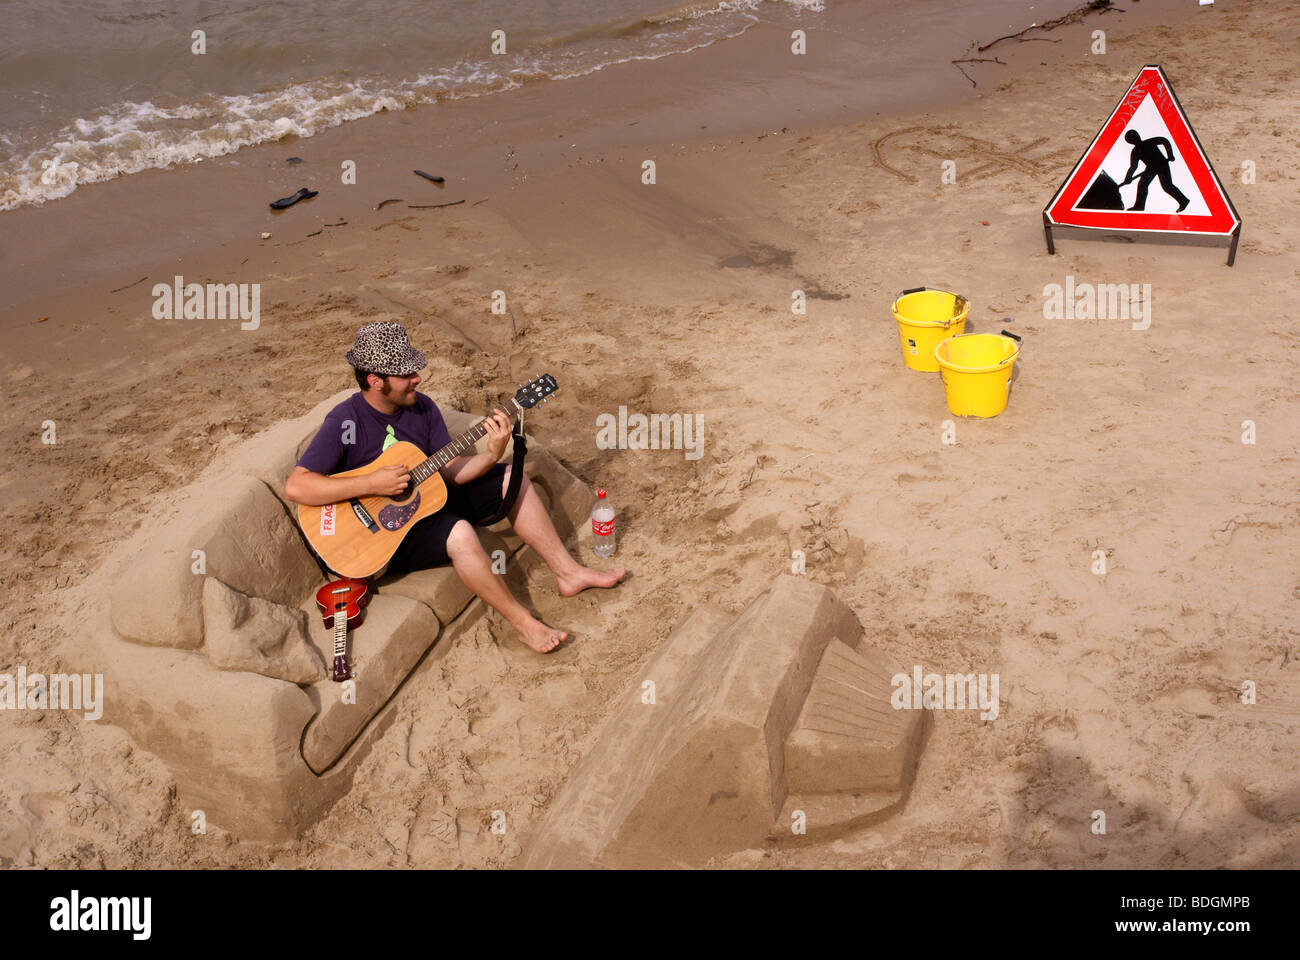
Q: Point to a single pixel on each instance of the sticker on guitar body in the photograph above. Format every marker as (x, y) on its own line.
(327, 520)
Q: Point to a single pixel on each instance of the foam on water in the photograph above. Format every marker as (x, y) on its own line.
(38, 165)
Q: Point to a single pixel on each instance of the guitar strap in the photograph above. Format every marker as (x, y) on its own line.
(516, 475)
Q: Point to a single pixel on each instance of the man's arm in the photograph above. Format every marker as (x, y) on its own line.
(464, 469)
(1168, 148)
(1132, 167)
(316, 490)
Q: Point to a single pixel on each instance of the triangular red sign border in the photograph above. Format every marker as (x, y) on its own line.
(1222, 219)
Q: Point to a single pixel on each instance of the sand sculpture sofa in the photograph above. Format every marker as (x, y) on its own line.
(216, 661)
(774, 725)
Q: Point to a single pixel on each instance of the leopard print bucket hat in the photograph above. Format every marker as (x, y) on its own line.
(382, 347)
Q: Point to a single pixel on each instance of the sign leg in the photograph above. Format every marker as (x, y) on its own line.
(1232, 247)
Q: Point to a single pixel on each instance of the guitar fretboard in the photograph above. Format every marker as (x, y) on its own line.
(454, 449)
(340, 626)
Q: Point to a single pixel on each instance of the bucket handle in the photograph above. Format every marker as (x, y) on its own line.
(1019, 340)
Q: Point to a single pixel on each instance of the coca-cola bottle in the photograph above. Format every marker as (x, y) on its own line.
(602, 525)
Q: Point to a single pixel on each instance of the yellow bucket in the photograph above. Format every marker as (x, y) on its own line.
(976, 370)
(924, 318)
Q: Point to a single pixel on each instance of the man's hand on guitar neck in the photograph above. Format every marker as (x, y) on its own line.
(498, 430)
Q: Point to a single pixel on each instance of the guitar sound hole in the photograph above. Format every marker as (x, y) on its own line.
(404, 495)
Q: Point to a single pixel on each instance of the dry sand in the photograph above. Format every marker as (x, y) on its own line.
(1120, 692)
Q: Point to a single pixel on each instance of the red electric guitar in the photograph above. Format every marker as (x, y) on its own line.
(341, 604)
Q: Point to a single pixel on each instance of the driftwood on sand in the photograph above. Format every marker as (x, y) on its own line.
(1073, 16)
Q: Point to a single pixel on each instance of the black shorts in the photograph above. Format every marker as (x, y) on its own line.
(426, 545)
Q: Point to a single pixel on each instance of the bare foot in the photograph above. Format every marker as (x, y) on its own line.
(583, 577)
(539, 636)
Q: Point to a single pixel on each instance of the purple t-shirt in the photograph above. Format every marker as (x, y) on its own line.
(367, 428)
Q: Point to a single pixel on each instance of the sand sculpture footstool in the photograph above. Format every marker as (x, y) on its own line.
(217, 658)
(778, 714)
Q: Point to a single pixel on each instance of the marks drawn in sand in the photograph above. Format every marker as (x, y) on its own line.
(990, 160)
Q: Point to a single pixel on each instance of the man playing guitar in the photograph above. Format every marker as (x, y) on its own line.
(388, 409)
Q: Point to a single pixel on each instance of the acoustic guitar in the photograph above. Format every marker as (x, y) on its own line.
(357, 537)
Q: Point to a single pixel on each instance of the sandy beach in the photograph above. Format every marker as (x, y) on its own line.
(1119, 691)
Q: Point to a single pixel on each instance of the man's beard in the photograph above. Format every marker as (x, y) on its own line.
(387, 388)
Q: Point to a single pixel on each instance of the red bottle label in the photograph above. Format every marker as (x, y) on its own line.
(602, 528)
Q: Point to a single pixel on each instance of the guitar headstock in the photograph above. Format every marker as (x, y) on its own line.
(342, 670)
(535, 391)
